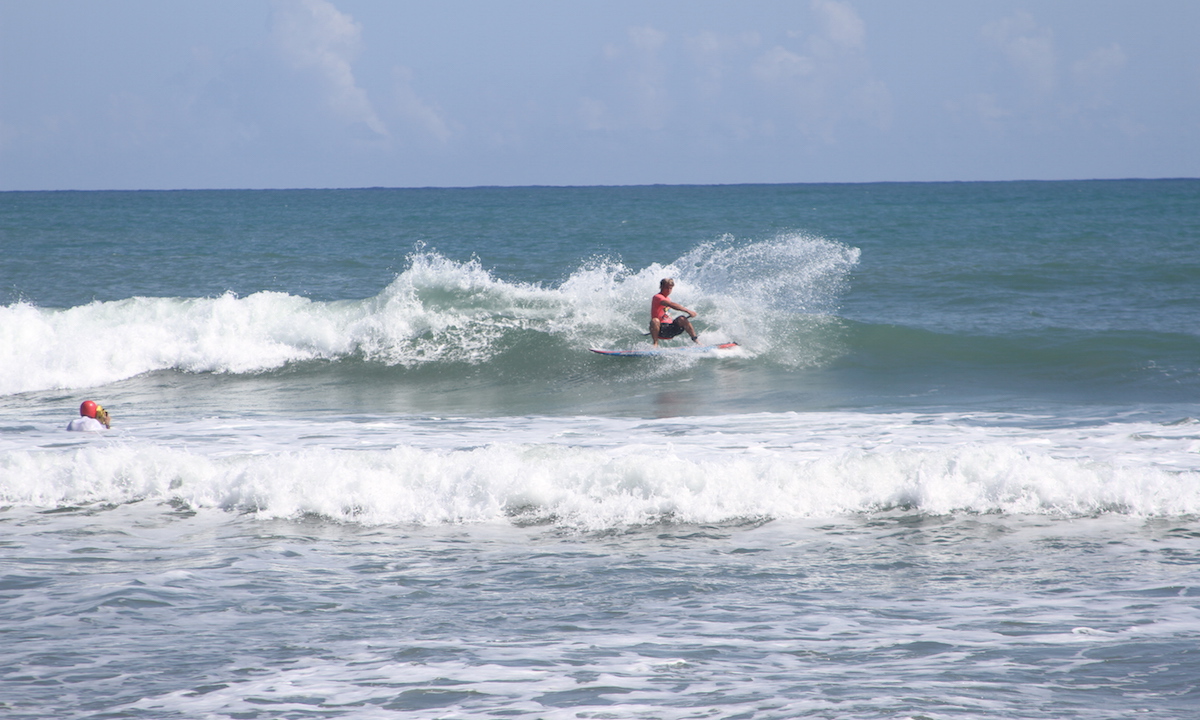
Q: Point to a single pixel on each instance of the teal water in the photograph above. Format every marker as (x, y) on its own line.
(363, 464)
(981, 295)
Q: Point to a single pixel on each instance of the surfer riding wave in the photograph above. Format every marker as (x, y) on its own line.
(662, 327)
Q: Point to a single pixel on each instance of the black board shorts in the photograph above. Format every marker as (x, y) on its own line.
(670, 330)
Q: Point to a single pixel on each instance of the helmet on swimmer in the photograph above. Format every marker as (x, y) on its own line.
(88, 409)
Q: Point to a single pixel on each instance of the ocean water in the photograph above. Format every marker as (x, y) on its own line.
(363, 464)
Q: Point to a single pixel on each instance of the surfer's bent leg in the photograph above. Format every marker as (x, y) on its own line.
(686, 324)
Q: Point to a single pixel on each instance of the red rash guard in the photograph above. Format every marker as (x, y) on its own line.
(658, 309)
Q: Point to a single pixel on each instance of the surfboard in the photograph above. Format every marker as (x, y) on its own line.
(652, 351)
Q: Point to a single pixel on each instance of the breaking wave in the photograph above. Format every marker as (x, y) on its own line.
(435, 311)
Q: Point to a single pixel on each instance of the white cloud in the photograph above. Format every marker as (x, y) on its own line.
(1029, 49)
(1101, 62)
(642, 93)
(842, 25)
(829, 79)
(648, 76)
(710, 53)
(415, 110)
(313, 35)
(1035, 93)
(779, 65)
(647, 39)
(730, 84)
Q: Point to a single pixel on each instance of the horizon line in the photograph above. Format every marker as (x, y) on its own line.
(613, 186)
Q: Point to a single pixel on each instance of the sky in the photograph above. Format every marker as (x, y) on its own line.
(144, 94)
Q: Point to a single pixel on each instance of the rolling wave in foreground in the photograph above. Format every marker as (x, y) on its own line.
(603, 474)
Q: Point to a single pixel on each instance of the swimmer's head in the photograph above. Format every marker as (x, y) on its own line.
(88, 409)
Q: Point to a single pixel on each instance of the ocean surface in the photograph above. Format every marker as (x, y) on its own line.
(363, 464)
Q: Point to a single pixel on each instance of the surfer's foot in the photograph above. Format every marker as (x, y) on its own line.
(696, 339)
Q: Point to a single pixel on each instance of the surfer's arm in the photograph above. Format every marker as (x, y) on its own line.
(676, 306)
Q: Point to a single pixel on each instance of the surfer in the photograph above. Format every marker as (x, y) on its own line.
(662, 327)
(92, 418)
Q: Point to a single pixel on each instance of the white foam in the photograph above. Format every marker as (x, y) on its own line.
(592, 473)
(103, 342)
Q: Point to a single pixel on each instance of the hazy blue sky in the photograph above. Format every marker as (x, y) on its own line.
(355, 93)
